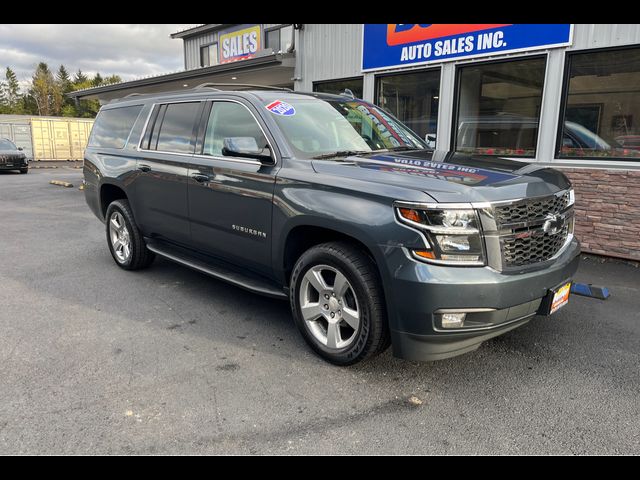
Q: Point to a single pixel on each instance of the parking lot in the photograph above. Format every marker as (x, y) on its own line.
(94, 359)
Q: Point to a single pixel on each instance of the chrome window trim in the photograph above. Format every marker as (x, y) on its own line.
(198, 155)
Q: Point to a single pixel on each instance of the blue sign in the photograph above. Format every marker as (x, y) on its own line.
(396, 45)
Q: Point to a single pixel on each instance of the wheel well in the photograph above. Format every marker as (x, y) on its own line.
(301, 239)
(109, 193)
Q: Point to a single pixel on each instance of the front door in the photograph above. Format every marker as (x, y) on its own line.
(230, 199)
(161, 181)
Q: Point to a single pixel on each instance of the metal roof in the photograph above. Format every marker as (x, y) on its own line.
(272, 59)
(188, 32)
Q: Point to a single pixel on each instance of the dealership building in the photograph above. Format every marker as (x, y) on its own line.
(560, 95)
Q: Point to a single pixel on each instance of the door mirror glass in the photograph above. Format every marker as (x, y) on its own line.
(20, 148)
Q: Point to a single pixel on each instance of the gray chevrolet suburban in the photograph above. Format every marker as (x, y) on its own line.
(332, 203)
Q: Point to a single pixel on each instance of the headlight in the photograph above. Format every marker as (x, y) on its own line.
(453, 234)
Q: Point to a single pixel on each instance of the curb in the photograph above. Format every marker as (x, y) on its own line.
(60, 183)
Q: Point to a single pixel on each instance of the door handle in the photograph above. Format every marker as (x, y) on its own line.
(200, 178)
(144, 168)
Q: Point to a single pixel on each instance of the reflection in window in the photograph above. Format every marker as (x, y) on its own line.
(499, 107)
(112, 127)
(209, 55)
(279, 39)
(413, 99)
(602, 105)
(340, 86)
(229, 120)
(176, 130)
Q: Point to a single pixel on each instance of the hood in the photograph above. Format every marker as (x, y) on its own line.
(450, 177)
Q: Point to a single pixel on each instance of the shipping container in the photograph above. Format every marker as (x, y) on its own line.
(47, 138)
(18, 130)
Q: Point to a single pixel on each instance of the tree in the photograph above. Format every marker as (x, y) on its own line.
(112, 79)
(97, 80)
(10, 98)
(43, 89)
(79, 77)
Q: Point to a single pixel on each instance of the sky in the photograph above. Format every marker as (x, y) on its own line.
(131, 50)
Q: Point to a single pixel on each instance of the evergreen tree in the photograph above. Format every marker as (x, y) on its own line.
(79, 77)
(97, 80)
(11, 97)
(43, 90)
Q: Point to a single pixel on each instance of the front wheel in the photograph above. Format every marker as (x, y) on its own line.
(24, 170)
(125, 240)
(338, 303)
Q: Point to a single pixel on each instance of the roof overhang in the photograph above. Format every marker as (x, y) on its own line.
(189, 32)
(271, 69)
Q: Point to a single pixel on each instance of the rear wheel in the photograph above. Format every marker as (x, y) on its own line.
(124, 238)
(338, 304)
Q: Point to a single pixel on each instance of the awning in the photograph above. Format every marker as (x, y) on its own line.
(273, 70)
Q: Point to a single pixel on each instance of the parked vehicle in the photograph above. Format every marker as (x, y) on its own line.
(11, 157)
(333, 204)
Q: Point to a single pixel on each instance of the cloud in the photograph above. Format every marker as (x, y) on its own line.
(128, 50)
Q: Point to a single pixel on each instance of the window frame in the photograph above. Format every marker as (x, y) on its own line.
(564, 98)
(126, 141)
(271, 29)
(455, 111)
(204, 123)
(430, 68)
(157, 113)
(209, 45)
(345, 79)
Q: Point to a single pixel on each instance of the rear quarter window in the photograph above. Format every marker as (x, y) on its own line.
(113, 126)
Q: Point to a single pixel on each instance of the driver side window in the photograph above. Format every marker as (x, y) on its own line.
(230, 120)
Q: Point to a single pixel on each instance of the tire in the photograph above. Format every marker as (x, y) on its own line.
(24, 170)
(334, 338)
(137, 256)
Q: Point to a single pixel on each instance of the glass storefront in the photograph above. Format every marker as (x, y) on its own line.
(413, 99)
(498, 107)
(340, 86)
(601, 111)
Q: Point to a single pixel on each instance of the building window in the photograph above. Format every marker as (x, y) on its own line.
(278, 39)
(340, 86)
(498, 107)
(601, 106)
(209, 55)
(413, 99)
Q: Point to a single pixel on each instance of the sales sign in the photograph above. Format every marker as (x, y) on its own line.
(399, 44)
(239, 43)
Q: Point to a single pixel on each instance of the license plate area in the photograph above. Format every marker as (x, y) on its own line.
(555, 299)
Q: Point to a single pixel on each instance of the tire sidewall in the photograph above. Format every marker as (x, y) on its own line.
(115, 207)
(352, 352)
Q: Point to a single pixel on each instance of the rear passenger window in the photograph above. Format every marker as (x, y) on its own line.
(230, 120)
(113, 126)
(173, 132)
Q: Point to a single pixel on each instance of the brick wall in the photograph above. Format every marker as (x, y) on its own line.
(607, 211)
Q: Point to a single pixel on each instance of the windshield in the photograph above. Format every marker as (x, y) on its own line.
(6, 144)
(317, 127)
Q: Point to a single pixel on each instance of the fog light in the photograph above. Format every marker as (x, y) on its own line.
(452, 320)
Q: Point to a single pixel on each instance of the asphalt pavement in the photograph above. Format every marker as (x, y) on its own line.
(94, 359)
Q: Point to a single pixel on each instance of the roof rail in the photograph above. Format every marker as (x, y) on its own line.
(134, 94)
(241, 85)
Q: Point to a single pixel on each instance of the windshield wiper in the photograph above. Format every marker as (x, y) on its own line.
(341, 153)
(403, 148)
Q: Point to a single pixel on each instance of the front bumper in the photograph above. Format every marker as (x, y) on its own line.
(14, 164)
(419, 290)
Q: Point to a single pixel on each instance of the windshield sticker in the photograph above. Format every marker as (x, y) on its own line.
(281, 108)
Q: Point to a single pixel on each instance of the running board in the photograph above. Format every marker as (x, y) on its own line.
(251, 283)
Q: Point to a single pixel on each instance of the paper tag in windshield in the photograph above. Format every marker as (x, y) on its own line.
(281, 108)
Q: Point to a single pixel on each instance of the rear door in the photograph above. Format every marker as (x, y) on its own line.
(230, 198)
(161, 182)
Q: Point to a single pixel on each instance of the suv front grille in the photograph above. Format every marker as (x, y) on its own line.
(525, 236)
(517, 252)
(528, 210)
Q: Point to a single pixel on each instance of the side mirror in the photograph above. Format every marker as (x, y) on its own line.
(245, 147)
(430, 138)
(20, 148)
